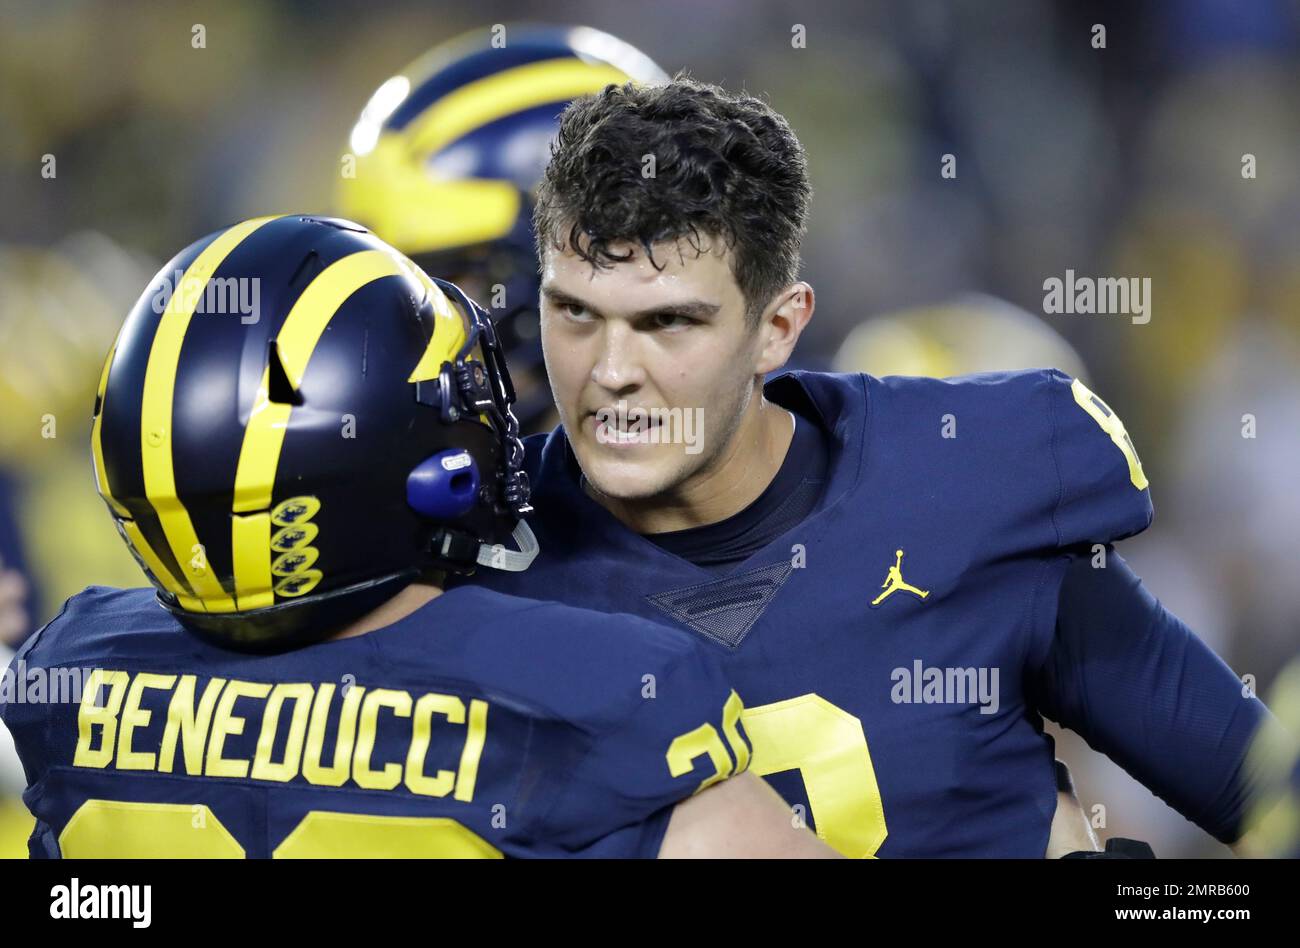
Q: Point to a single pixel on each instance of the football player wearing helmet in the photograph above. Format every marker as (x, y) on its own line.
(445, 160)
(904, 575)
(298, 433)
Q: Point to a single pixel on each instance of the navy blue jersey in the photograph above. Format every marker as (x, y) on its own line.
(479, 725)
(883, 644)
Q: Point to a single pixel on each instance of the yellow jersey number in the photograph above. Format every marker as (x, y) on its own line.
(828, 747)
(1111, 424)
(114, 829)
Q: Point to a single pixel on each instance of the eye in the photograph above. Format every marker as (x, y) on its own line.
(671, 321)
(574, 310)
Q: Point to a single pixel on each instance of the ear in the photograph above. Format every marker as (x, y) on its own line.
(781, 325)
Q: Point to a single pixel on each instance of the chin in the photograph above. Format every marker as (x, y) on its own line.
(627, 479)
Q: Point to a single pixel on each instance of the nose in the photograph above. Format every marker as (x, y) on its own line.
(618, 367)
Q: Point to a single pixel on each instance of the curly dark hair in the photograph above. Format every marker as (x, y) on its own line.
(726, 166)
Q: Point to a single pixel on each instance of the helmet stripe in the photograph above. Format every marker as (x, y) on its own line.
(132, 530)
(466, 59)
(156, 418)
(156, 566)
(445, 342)
(259, 455)
(484, 101)
(250, 540)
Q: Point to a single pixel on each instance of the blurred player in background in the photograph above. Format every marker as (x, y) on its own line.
(287, 495)
(448, 155)
(968, 334)
(57, 322)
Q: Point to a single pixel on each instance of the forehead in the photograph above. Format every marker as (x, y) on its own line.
(678, 270)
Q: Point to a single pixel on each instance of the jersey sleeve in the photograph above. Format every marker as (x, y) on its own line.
(678, 736)
(1103, 494)
(1137, 684)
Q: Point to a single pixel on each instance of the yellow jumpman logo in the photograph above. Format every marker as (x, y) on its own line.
(894, 582)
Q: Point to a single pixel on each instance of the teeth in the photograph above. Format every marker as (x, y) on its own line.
(620, 435)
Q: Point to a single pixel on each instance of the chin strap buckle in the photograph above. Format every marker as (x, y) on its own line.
(461, 552)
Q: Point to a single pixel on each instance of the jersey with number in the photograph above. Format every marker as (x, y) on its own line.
(480, 725)
(882, 643)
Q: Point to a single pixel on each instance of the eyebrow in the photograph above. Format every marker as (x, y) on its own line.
(692, 309)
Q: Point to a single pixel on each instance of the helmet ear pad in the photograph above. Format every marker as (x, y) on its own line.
(458, 489)
(445, 485)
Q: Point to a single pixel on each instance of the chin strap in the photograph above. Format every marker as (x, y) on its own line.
(497, 556)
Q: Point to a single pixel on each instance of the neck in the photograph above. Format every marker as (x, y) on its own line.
(413, 597)
(744, 469)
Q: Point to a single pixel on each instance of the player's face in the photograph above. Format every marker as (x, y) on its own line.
(651, 369)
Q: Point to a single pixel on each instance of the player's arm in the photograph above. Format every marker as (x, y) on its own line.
(1071, 830)
(739, 818)
(1139, 686)
(667, 776)
(1113, 664)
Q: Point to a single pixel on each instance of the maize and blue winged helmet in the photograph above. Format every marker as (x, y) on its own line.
(295, 422)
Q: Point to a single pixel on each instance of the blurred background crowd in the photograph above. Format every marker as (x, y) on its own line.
(1169, 153)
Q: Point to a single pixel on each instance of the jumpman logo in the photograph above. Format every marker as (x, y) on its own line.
(894, 582)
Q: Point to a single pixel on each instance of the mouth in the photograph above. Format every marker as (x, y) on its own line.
(624, 429)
